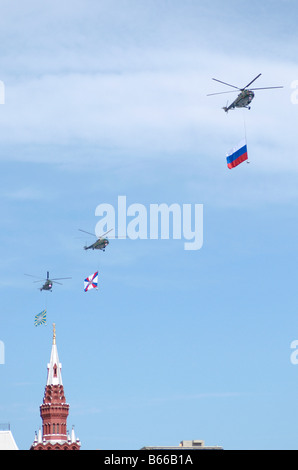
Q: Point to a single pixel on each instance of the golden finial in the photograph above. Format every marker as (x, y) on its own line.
(54, 333)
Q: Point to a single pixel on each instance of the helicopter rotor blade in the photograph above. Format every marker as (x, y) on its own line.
(59, 278)
(251, 82)
(35, 277)
(222, 93)
(267, 88)
(104, 234)
(93, 235)
(228, 84)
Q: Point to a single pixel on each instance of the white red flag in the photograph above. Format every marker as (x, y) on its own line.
(91, 282)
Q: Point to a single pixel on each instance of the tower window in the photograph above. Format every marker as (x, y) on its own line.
(55, 370)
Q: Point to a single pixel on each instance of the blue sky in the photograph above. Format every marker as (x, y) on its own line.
(108, 98)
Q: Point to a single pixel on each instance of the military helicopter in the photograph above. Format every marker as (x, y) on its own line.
(245, 96)
(101, 242)
(48, 283)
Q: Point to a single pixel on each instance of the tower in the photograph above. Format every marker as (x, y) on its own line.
(54, 411)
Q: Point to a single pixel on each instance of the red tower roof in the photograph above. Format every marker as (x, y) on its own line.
(54, 410)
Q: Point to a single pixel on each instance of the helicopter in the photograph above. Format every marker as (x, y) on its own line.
(245, 96)
(48, 284)
(101, 242)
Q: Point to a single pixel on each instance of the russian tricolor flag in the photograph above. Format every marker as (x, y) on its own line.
(237, 155)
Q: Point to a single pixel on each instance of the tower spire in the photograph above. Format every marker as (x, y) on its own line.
(54, 366)
(54, 409)
(54, 333)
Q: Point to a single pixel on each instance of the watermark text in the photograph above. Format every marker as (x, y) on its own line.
(157, 222)
(294, 355)
(294, 95)
(2, 353)
(2, 92)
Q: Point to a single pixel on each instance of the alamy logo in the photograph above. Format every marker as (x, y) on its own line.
(159, 221)
(294, 95)
(2, 93)
(294, 355)
(2, 355)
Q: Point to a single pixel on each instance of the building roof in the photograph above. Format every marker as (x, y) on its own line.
(185, 445)
(7, 441)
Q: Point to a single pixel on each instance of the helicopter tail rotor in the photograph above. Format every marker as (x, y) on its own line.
(226, 108)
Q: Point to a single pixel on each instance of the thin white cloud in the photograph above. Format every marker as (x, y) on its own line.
(166, 108)
(24, 194)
